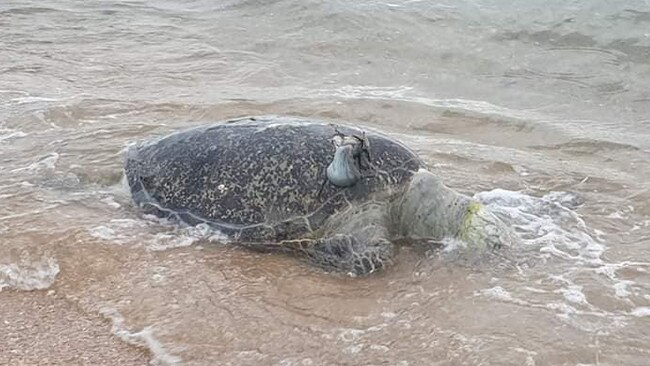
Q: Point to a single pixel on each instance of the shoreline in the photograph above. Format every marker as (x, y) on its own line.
(41, 329)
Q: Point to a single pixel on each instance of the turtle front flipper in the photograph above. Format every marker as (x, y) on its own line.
(345, 253)
(341, 252)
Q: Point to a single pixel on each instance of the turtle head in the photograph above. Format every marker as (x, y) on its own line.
(429, 209)
(481, 228)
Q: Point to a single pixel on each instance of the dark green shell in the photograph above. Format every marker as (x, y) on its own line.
(258, 178)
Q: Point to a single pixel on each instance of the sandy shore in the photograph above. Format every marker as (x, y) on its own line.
(37, 329)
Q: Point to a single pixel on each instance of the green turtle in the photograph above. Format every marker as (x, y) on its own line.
(335, 195)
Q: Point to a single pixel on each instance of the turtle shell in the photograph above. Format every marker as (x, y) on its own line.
(259, 178)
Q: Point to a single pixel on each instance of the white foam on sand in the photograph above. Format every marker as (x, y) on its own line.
(143, 338)
(641, 311)
(155, 234)
(184, 237)
(117, 231)
(47, 162)
(110, 201)
(29, 275)
(6, 134)
(500, 294)
(573, 293)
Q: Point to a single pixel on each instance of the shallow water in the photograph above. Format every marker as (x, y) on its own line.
(541, 109)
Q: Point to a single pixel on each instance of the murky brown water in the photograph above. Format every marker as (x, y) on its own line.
(542, 110)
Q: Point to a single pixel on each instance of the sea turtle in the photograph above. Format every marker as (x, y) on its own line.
(334, 194)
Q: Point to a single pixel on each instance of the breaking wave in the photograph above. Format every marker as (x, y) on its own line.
(143, 338)
(552, 230)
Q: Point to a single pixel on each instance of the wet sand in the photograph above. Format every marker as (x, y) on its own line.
(40, 328)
